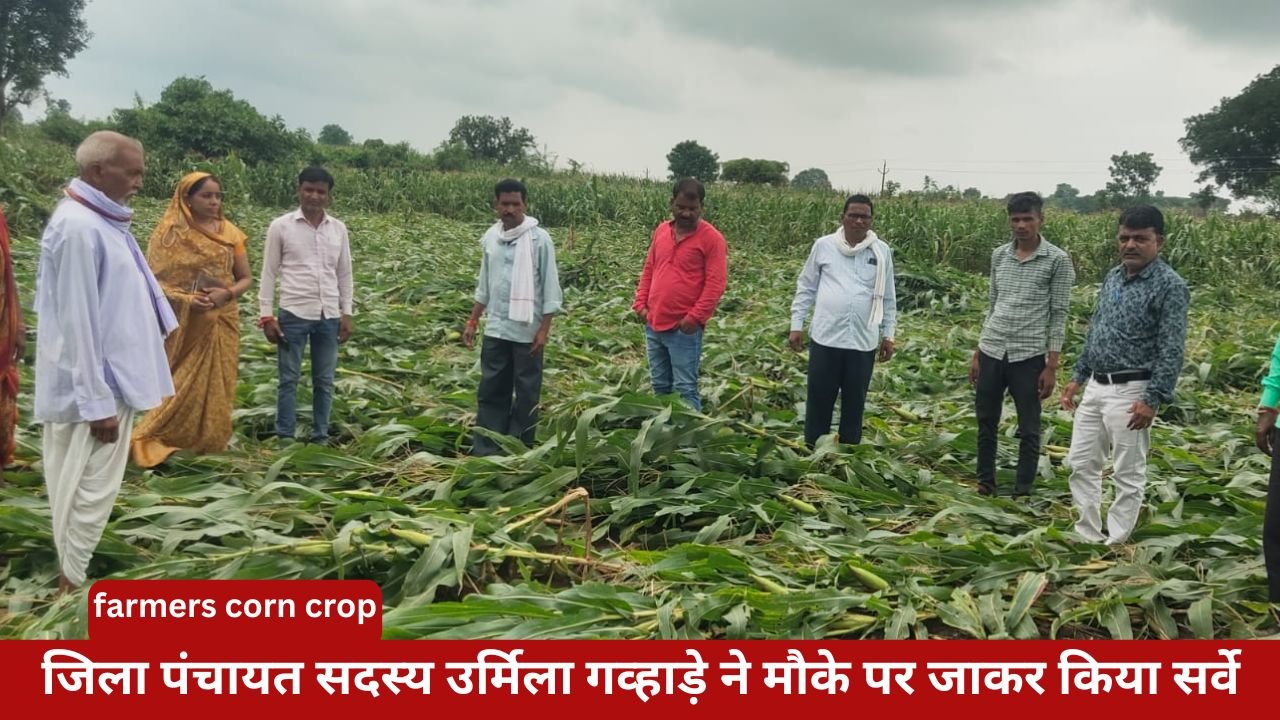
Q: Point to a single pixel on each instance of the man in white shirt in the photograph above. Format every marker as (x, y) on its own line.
(848, 280)
(309, 254)
(100, 356)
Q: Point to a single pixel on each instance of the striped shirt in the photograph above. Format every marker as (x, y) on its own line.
(1027, 312)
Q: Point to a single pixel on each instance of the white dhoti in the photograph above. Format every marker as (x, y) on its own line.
(83, 477)
(1101, 431)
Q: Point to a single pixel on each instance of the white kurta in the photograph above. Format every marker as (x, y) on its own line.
(83, 477)
(99, 354)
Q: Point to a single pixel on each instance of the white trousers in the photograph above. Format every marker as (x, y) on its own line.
(1101, 432)
(83, 477)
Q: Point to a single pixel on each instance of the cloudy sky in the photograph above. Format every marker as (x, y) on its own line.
(1002, 95)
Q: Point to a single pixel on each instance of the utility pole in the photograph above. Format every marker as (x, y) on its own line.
(884, 172)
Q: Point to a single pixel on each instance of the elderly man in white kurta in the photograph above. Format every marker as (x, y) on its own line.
(99, 345)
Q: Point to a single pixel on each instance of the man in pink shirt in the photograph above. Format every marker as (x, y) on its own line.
(308, 255)
(682, 281)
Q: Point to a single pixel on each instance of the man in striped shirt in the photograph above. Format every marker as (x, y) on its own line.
(1021, 340)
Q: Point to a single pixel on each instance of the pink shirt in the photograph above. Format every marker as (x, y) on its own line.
(312, 264)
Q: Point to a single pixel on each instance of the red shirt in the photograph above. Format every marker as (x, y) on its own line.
(684, 279)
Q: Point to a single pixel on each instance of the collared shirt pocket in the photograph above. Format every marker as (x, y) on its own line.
(330, 244)
(865, 270)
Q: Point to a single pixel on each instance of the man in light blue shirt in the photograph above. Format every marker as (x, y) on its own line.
(100, 356)
(848, 281)
(519, 291)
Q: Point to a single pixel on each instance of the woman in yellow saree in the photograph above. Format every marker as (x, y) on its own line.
(200, 260)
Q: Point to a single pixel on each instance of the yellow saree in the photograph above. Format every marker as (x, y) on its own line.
(204, 352)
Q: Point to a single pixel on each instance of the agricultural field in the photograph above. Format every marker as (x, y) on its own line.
(635, 517)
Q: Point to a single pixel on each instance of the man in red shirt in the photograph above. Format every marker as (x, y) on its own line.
(682, 281)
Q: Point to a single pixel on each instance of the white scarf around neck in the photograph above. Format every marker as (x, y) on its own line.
(869, 242)
(120, 217)
(520, 305)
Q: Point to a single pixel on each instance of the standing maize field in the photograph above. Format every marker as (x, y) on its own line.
(637, 518)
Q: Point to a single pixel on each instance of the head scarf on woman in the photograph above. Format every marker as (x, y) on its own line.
(178, 218)
(187, 258)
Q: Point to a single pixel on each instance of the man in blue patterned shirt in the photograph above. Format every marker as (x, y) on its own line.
(1131, 360)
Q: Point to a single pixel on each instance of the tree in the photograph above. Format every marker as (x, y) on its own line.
(972, 193)
(37, 38)
(450, 157)
(488, 138)
(811, 178)
(59, 126)
(191, 118)
(1132, 176)
(334, 135)
(1238, 142)
(1271, 194)
(693, 160)
(891, 188)
(755, 172)
(1205, 199)
(377, 153)
(1065, 193)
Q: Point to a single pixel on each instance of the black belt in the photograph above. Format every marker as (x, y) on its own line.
(1119, 378)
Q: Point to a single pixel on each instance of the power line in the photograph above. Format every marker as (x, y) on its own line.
(1074, 161)
(1060, 171)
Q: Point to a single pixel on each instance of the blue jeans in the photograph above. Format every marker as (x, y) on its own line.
(674, 358)
(323, 335)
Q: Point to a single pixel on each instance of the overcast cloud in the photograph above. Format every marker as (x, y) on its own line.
(1002, 95)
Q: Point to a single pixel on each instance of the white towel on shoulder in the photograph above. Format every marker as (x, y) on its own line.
(520, 305)
(877, 296)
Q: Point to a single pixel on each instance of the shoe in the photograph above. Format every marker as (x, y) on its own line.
(984, 489)
(1022, 492)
